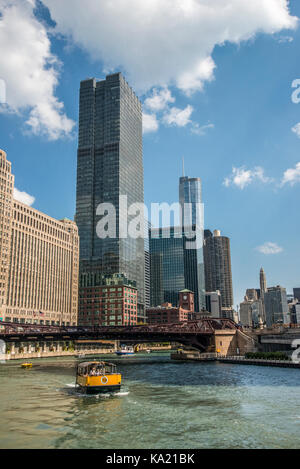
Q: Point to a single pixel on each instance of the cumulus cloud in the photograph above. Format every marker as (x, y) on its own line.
(150, 123)
(269, 248)
(201, 129)
(165, 42)
(159, 99)
(242, 177)
(291, 176)
(178, 117)
(23, 197)
(30, 70)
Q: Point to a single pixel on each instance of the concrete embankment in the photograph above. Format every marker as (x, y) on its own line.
(197, 357)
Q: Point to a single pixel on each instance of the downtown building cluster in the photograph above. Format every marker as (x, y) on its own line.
(269, 306)
(63, 272)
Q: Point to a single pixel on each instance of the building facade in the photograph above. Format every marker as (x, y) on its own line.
(276, 306)
(190, 199)
(214, 303)
(175, 266)
(39, 261)
(107, 300)
(110, 167)
(217, 263)
(168, 314)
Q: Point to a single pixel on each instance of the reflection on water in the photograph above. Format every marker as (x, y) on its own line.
(162, 404)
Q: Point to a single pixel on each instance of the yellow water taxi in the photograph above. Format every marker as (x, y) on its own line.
(97, 377)
(26, 365)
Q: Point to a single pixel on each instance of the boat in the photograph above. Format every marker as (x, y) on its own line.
(125, 350)
(26, 365)
(148, 350)
(97, 377)
(80, 355)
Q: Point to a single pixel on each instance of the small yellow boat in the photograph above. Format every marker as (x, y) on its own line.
(26, 365)
(97, 377)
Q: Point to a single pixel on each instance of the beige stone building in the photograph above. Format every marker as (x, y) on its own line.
(39, 261)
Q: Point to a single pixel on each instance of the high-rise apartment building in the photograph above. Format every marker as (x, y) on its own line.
(39, 261)
(110, 165)
(217, 262)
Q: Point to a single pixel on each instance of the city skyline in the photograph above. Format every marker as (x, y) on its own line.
(212, 128)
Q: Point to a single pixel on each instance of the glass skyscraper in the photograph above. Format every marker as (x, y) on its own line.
(110, 165)
(190, 192)
(192, 211)
(175, 266)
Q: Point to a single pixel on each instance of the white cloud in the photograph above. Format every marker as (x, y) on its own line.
(30, 70)
(242, 177)
(201, 130)
(159, 99)
(291, 176)
(285, 39)
(165, 42)
(296, 129)
(178, 117)
(150, 123)
(269, 248)
(23, 197)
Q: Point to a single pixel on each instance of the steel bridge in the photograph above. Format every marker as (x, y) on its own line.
(197, 334)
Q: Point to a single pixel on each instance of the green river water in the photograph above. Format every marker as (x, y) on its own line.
(162, 405)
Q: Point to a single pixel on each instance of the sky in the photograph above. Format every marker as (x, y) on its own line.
(218, 83)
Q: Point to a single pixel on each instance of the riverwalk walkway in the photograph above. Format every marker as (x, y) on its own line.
(238, 360)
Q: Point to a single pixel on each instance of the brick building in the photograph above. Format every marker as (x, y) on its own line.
(107, 300)
(167, 313)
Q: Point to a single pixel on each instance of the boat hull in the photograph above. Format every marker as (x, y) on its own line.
(99, 389)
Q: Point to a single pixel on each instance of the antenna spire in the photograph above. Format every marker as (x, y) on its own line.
(183, 172)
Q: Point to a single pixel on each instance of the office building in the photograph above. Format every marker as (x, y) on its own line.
(214, 303)
(217, 263)
(175, 266)
(276, 306)
(39, 261)
(109, 168)
(107, 300)
(296, 293)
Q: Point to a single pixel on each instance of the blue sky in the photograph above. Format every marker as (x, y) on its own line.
(234, 110)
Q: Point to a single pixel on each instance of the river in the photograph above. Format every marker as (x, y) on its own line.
(162, 405)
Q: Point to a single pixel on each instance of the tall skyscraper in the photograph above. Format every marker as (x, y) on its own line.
(192, 212)
(217, 262)
(263, 290)
(110, 165)
(190, 192)
(174, 266)
(276, 306)
(262, 281)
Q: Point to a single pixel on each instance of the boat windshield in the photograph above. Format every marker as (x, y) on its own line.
(96, 369)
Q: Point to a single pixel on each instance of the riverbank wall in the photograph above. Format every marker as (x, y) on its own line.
(237, 360)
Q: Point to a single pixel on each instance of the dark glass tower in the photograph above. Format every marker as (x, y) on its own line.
(217, 260)
(174, 265)
(110, 165)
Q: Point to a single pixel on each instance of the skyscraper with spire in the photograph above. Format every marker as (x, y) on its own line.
(263, 290)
